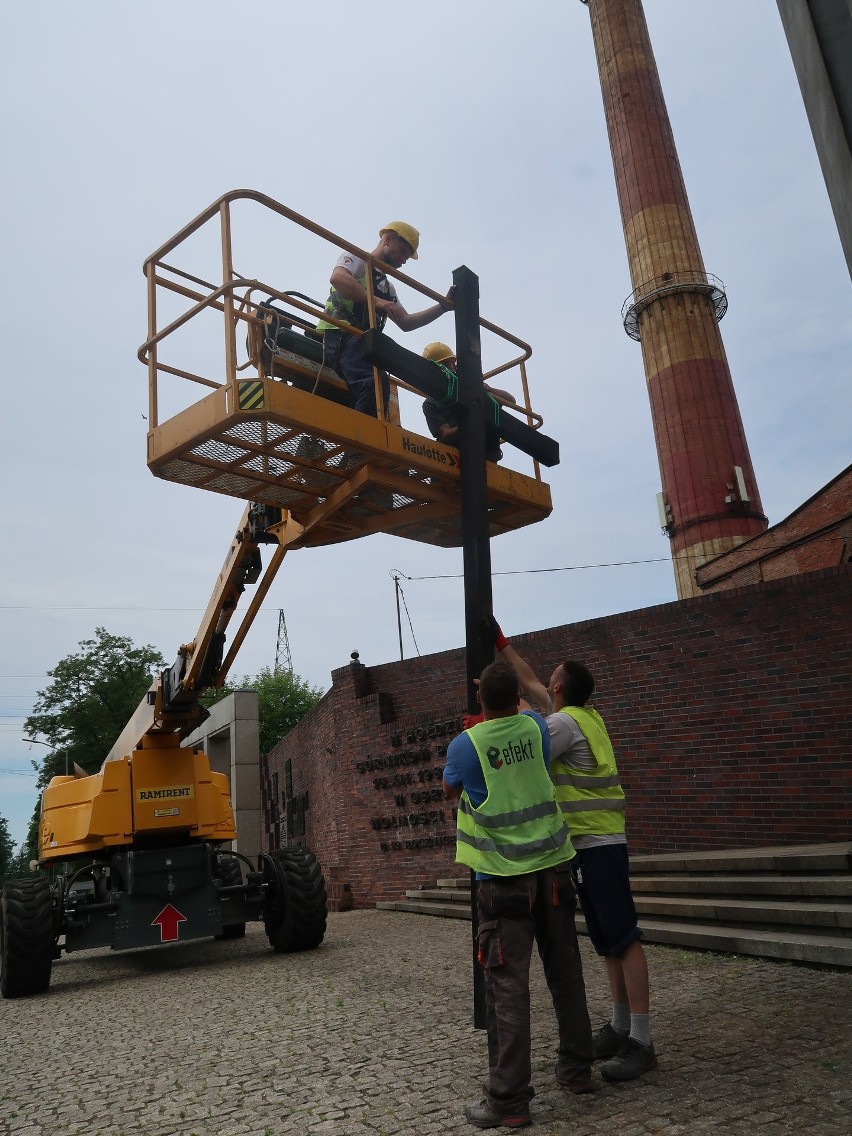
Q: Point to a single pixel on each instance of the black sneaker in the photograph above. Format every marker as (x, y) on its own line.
(607, 1042)
(630, 1062)
(482, 1115)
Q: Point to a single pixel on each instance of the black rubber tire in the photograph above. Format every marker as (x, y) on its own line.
(229, 871)
(26, 937)
(297, 906)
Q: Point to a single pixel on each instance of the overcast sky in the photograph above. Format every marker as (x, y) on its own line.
(481, 123)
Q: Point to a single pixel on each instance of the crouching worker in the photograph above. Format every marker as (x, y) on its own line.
(512, 833)
(442, 422)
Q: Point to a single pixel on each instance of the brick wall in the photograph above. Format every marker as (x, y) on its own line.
(373, 728)
(729, 713)
(817, 535)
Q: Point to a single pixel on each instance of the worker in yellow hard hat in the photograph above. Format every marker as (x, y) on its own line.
(398, 243)
(442, 422)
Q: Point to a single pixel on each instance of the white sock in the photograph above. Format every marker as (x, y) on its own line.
(640, 1029)
(620, 1017)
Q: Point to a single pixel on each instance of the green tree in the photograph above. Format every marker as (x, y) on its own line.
(7, 850)
(84, 709)
(283, 701)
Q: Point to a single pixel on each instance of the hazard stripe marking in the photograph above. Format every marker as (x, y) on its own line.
(251, 395)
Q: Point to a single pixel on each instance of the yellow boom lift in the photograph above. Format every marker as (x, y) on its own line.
(145, 841)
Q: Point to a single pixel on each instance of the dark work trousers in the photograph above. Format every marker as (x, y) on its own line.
(437, 416)
(514, 911)
(343, 352)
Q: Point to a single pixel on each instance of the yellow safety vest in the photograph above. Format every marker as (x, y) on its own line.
(356, 314)
(519, 827)
(592, 800)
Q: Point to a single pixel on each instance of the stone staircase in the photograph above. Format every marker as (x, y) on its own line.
(792, 903)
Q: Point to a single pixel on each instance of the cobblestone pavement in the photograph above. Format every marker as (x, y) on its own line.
(371, 1035)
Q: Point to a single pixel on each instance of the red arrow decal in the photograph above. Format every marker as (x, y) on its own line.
(168, 921)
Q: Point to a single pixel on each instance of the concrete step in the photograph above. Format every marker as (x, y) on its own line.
(823, 950)
(445, 910)
(796, 858)
(736, 884)
(792, 902)
(757, 912)
(836, 917)
(812, 887)
(793, 946)
(787, 858)
(444, 895)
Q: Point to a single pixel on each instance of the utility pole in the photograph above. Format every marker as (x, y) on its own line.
(471, 409)
(476, 545)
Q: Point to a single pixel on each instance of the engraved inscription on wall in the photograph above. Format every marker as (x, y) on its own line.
(411, 812)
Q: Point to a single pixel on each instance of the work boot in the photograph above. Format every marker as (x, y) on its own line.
(608, 1042)
(482, 1115)
(575, 1085)
(630, 1062)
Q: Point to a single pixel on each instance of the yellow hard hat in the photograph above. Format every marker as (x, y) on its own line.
(408, 233)
(438, 352)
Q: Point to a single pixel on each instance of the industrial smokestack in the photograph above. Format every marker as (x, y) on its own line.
(710, 501)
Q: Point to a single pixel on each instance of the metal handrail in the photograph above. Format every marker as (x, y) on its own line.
(222, 298)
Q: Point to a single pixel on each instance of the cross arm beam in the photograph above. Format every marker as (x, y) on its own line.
(382, 351)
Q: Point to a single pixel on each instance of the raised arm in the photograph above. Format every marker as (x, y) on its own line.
(411, 321)
(526, 675)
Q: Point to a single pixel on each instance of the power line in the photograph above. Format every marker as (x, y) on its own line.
(618, 563)
(95, 607)
(763, 551)
(537, 571)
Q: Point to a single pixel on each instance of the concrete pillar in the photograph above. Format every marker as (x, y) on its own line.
(231, 739)
(819, 33)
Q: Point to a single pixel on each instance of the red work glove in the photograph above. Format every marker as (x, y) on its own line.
(500, 640)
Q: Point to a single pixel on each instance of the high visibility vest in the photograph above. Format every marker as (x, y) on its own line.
(592, 800)
(356, 314)
(519, 826)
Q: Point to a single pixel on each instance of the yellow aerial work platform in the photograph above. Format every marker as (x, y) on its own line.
(274, 427)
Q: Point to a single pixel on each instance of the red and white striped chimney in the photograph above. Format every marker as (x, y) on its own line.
(710, 501)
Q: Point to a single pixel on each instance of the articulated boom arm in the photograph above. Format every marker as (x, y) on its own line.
(172, 705)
